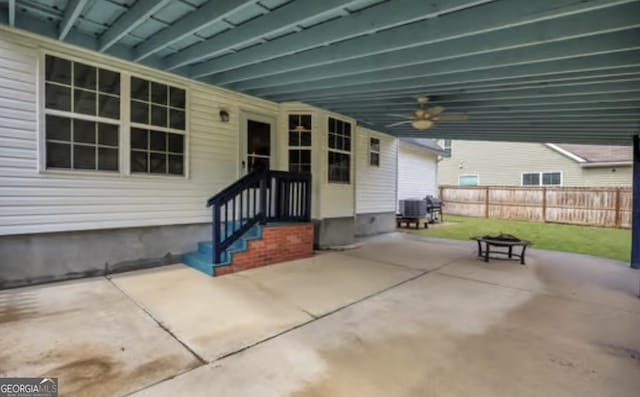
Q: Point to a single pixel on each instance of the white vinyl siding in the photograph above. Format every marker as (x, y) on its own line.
(375, 186)
(34, 201)
(417, 172)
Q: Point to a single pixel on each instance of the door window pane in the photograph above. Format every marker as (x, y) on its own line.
(258, 138)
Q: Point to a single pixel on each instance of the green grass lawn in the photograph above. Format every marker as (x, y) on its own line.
(597, 241)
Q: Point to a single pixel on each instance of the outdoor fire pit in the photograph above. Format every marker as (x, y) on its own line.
(502, 240)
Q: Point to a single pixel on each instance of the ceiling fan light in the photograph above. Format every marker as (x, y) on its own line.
(421, 124)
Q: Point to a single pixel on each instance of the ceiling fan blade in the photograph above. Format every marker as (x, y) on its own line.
(398, 123)
(453, 117)
(436, 110)
(403, 116)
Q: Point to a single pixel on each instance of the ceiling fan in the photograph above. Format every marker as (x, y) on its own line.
(422, 118)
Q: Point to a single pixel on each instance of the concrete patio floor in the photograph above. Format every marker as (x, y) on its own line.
(401, 316)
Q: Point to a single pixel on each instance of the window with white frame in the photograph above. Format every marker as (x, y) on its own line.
(84, 123)
(158, 126)
(339, 151)
(374, 152)
(541, 178)
(468, 180)
(81, 116)
(300, 143)
(447, 148)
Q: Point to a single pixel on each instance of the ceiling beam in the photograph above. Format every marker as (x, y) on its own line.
(279, 20)
(611, 43)
(382, 16)
(526, 136)
(139, 12)
(11, 12)
(71, 14)
(588, 108)
(562, 80)
(210, 13)
(586, 127)
(462, 106)
(488, 17)
(588, 24)
(625, 85)
(573, 65)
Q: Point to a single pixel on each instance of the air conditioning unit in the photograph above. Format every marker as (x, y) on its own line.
(413, 208)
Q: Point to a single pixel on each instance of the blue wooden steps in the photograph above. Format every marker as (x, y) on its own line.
(202, 259)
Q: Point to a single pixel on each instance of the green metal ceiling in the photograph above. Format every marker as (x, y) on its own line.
(563, 71)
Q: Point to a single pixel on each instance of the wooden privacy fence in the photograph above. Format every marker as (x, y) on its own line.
(592, 206)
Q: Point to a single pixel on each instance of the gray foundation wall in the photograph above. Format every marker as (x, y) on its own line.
(331, 232)
(375, 223)
(39, 258)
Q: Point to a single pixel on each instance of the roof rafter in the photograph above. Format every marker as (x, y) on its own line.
(491, 16)
(590, 63)
(280, 19)
(139, 12)
(610, 43)
(382, 16)
(71, 14)
(210, 13)
(525, 36)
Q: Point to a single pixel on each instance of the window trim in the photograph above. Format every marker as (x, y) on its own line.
(124, 124)
(540, 174)
(349, 153)
(477, 176)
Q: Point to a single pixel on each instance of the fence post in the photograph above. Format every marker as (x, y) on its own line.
(618, 221)
(544, 204)
(486, 202)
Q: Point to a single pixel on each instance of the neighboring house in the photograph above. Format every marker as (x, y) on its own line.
(107, 164)
(533, 164)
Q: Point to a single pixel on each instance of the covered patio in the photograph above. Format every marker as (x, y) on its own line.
(399, 316)
(549, 71)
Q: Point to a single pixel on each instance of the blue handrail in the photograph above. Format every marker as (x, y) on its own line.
(259, 197)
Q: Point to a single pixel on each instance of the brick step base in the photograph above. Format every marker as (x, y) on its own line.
(274, 244)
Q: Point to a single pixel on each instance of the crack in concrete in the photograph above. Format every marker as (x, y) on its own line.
(160, 324)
